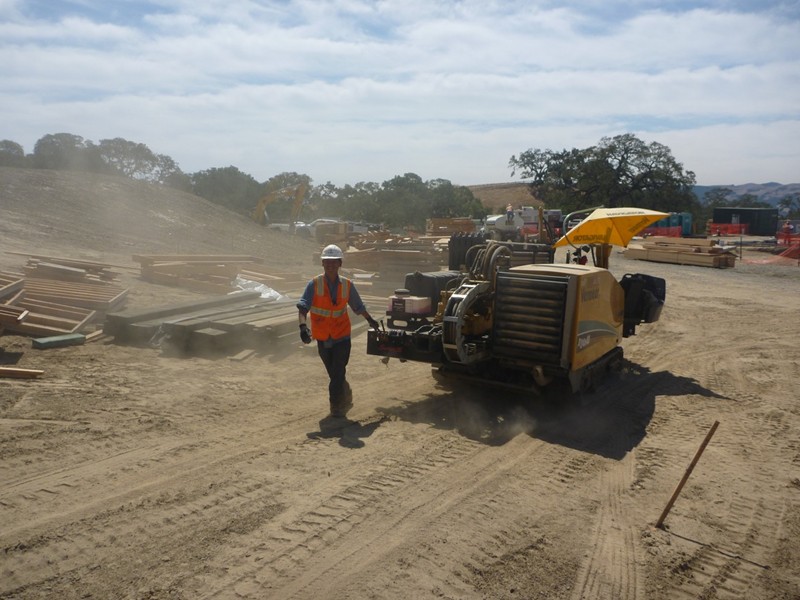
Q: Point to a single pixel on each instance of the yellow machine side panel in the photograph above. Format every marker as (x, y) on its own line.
(599, 313)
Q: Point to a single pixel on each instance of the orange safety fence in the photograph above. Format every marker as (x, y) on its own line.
(676, 231)
(729, 228)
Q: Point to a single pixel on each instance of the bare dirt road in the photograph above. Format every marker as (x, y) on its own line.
(128, 473)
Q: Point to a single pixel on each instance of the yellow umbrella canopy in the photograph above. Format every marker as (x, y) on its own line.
(615, 226)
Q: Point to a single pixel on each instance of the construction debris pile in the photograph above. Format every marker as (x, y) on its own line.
(682, 251)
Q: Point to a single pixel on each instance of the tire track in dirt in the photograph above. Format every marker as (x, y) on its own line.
(136, 480)
(752, 530)
(742, 532)
(349, 532)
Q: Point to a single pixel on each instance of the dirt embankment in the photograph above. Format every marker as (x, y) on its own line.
(126, 473)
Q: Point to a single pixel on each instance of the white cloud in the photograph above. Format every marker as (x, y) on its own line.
(350, 91)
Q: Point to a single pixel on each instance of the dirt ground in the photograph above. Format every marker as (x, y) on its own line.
(127, 473)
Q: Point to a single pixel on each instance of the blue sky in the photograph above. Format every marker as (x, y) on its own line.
(351, 90)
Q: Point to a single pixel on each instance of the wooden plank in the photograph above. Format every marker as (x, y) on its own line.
(673, 241)
(95, 335)
(192, 269)
(117, 321)
(55, 271)
(243, 355)
(9, 287)
(87, 264)
(53, 309)
(17, 373)
(187, 283)
(59, 341)
(149, 259)
(12, 315)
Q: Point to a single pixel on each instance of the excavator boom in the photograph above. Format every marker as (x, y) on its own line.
(259, 214)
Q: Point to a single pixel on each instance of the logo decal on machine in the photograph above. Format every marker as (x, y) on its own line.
(592, 331)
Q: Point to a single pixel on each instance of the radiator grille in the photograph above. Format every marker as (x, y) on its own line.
(529, 317)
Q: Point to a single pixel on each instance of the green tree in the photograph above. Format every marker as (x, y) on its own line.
(131, 159)
(448, 201)
(11, 154)
(66, 151)
(619, 171)
(790, 206)
(404, 201)
(228, 187)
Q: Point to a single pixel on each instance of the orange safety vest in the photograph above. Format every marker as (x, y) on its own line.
(329, 319)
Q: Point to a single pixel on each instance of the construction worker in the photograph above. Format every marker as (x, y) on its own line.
(326, 298)
(787, 230)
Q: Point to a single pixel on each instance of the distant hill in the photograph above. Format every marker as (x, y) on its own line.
(496, 196)
(771, 193)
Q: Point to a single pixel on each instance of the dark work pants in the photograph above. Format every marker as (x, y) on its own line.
(335, 360)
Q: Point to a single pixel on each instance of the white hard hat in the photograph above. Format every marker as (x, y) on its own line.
(332, 252)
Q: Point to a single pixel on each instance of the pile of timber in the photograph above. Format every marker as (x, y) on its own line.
(215, 323)
(393, 258)
(239, 322)
(57, 267)
(682, 251)
(212, 273)
(55, 296)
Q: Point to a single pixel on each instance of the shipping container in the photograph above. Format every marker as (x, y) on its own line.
(759, 221)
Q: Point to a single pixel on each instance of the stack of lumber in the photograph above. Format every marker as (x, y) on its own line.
(682, 251)
(64, 268)
(54, 297)
(396, 255)
(228, 324)
(212, 273)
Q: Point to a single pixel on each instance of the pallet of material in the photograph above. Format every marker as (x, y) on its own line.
(682, 254)
(96, 296)
(49, 318)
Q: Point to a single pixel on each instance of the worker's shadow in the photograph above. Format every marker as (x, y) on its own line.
(609, 421)
(351, 434)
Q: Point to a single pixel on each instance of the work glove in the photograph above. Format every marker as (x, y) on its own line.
(374, 324)
(304, 334)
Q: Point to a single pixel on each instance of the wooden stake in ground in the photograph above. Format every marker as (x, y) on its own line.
(686, 475)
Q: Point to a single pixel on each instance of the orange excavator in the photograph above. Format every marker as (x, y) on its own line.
(259, 214)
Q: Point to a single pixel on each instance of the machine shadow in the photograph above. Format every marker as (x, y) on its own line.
(608, 422)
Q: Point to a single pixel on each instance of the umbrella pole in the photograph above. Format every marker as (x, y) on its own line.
(603, 254)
